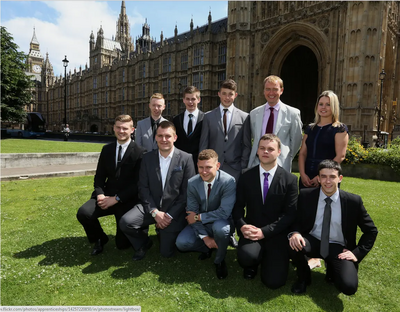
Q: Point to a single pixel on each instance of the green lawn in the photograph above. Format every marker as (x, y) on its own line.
(45, 260)
(47, 146)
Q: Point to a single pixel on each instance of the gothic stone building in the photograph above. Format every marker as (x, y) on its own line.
(313, 45)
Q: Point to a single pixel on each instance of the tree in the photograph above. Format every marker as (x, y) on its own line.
(15, 84)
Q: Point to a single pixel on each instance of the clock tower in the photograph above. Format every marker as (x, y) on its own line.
(35, 58)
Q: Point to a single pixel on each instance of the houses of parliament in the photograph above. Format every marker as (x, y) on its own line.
(313, 46)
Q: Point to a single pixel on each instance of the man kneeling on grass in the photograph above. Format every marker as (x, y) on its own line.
(326, 227)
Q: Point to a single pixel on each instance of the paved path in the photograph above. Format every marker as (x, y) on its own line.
(8, 174)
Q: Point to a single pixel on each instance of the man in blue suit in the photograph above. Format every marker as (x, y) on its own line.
(211, 195)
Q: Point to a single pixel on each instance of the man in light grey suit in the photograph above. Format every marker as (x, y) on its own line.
(145, 130)
(163, 178)
(277, 118)
(223, 131)
(211, 196)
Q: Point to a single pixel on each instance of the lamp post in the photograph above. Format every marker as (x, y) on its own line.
(381, 78)
(65, 64)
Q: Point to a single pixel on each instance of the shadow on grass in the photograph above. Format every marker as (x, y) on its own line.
(183, 268)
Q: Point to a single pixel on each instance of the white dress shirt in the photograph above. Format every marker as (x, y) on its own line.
(228, 115)
(335, 233)
(123, 150)
(270, 178)
(164, 166)
(194, 119)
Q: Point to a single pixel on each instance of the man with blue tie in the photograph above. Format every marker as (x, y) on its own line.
(264, 210)
(210, 198)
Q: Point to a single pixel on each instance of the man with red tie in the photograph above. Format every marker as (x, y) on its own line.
(277, 118)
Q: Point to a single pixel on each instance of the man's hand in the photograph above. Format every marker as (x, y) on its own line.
(162, 220)
(190, 217)
(251, 232)
(210, 242)
(347, 255)
(297, 242)
(105, 202)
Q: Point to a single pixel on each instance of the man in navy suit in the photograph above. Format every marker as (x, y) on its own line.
(210, 198)
(223, 131)
(265, 209)
(326, 227)
(146, 129)
(115, 185)
(163, 179)
(189, 123)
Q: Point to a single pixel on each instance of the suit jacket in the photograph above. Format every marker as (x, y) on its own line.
(172, 199)
(288, 128)
(277, 214)
(353, 214)
(144, 134)
(220, 203)
(123, 181)
(189, 144)
(229, 148)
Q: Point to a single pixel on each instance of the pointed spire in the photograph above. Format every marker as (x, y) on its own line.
(176, 30)
(191, 24)
(34, 39)
(123, 8)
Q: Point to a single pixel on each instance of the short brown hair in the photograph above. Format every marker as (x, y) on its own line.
(274, 79)
(208, 154)
(157, 96)
(123, 118)
(229, 84)
(270, 137)
(191, 90)
(165, 124)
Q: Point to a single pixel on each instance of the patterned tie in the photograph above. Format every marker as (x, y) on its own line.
(224, 120)
(326, 226)
(190, 125)
(209, 191)
(270, 124)
(266, 186)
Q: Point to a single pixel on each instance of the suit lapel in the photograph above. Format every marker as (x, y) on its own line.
(128, 152)
(343, 206)
(174, 163)
(281, 116)
(156, 162)
(259, 121)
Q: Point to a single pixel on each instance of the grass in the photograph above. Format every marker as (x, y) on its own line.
(47, 146)
(45, 260)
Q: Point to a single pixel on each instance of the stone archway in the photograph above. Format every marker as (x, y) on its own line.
(94, 128)
(300, 75)
(299, 54)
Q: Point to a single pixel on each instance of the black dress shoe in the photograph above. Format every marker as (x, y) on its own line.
(232, 241)
(300, 287)
(205, 255)
(98, 247)
(249, 273)
(141, 252)
(221, 269)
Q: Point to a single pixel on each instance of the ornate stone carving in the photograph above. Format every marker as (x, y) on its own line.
(265, 37)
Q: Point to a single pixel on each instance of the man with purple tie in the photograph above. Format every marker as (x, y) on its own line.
(265, 208)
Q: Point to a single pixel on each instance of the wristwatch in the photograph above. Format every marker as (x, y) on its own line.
(154, 213)
(196, 218)
(117, 198)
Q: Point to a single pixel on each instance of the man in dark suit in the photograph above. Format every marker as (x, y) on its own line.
(210, 198)
(115, 185)
(265, 208)
(223, 131)
(162, 190)
(146, 129)
(326, 227)
(189, 123)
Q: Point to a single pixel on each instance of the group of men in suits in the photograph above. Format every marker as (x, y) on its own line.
(243, 163)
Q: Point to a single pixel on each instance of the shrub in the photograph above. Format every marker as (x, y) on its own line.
(355, 153)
